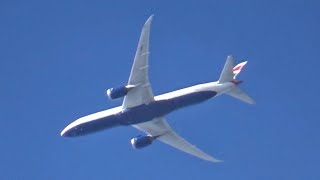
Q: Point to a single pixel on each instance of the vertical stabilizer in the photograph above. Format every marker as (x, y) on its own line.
(237, 69)
(229, 74)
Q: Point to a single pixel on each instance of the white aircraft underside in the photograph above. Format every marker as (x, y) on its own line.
(146, 112)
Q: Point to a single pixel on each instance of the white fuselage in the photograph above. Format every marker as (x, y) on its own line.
(162, 105)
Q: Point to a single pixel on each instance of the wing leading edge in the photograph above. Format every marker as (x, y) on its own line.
(160, 127)
(142, 92)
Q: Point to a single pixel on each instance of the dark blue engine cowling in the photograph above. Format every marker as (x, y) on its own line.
(141, 141)
(115, 93)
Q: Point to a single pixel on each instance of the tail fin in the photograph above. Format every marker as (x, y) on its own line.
(237, 69)
(229, 73)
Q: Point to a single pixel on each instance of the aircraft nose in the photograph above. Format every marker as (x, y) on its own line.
(63, 133)
(69, 131)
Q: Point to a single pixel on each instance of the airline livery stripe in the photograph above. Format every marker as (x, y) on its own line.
(237, 68)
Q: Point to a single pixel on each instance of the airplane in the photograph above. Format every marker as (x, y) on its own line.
(146, 112)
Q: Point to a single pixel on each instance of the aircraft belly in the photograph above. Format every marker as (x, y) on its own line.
(96, 125)
(192, 98)
(144, 113)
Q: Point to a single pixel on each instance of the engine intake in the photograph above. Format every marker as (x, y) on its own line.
(141, 141)
(115, 93)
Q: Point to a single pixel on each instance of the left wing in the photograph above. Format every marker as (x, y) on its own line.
(160, 127)
(142, 92)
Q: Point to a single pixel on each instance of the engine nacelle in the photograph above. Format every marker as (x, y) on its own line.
(141, 141)
(115, 93)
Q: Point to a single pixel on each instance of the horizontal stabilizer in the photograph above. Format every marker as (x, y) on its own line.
(227, 72)
(236, 92)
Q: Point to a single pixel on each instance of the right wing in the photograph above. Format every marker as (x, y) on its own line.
(142, 92)
(159, 127)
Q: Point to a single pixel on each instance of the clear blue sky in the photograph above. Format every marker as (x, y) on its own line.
(58, 58)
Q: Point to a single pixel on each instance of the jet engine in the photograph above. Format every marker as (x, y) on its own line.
(141, 141)
(115, 93)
